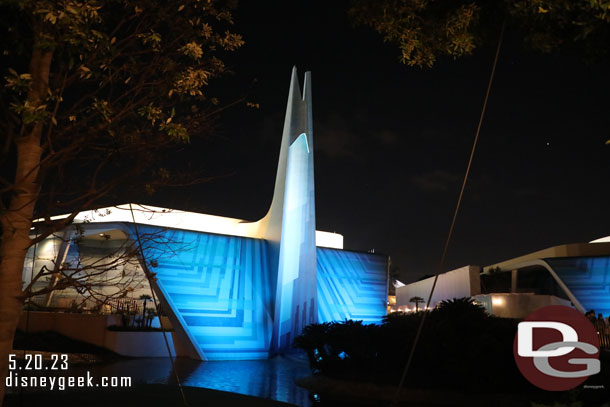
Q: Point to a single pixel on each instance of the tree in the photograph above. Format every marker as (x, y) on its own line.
(461, 308)
(68, 261)
(91, 268)
(425, 30)
(417, 301)
(95, 93)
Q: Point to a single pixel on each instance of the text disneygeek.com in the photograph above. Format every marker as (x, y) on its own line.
(20, 374)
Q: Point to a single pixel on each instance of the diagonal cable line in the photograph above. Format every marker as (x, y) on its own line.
(455, 214)
(154, 298)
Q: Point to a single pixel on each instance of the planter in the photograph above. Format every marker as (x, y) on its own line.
(139, 344)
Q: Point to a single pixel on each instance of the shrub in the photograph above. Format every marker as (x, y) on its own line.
(461, 347)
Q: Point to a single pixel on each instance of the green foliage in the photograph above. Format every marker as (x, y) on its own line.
(461, 308)
(459, 346)
(425, 30)
(583, 26)
(18, 83)
(422, 29)
(417, 301)
(125, 47)
(339, 346)
(127, 80)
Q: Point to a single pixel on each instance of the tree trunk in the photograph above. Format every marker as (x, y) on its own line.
(17, 219)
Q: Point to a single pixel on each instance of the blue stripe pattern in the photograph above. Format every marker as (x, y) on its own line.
(222, 291)
(588, 278)
(351, 285)
(219, 288)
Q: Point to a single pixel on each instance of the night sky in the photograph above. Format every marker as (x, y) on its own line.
(392, 142)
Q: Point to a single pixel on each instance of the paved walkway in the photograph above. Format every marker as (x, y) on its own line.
(138, 395)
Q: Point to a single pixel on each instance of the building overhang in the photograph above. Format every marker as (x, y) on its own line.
(193, 221)
(564, 250)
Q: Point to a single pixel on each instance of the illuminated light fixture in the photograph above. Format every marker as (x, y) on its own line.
(497, 301)
(328, 239)
(398, 284)
(304, 136)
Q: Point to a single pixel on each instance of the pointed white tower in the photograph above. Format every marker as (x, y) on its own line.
(243, 290)
(289, 226)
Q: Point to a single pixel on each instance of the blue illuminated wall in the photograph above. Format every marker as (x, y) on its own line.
(242, 298)
(351, 285)
(218, 287)
(236, 297)
(588, 278)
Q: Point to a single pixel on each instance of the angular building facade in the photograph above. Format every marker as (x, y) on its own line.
(576, 275)
(236, 289)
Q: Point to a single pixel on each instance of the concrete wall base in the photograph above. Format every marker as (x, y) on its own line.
(93, 329)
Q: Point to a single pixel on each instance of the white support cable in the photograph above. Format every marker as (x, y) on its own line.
(154, 298)
(457, 208)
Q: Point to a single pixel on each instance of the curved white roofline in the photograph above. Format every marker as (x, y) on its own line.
(198, 222)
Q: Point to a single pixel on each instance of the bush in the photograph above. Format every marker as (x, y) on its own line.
(461, 347)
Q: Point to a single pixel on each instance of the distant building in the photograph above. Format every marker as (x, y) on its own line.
(234, 289)
(576, 275)
(463, 282)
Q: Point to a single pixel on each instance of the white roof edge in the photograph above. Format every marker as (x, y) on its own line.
(198, 222)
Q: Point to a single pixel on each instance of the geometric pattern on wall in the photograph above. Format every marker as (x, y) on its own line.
(219, 288)
(588, 278)
(351, 285)
(292, 214)
(296, 305)
(240, 298)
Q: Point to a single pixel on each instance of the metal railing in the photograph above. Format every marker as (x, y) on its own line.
(114, 306)
(128, 304)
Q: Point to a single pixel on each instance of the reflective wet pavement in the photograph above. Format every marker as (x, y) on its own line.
(272, 379)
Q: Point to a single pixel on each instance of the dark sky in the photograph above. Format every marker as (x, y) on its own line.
(392, 142)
